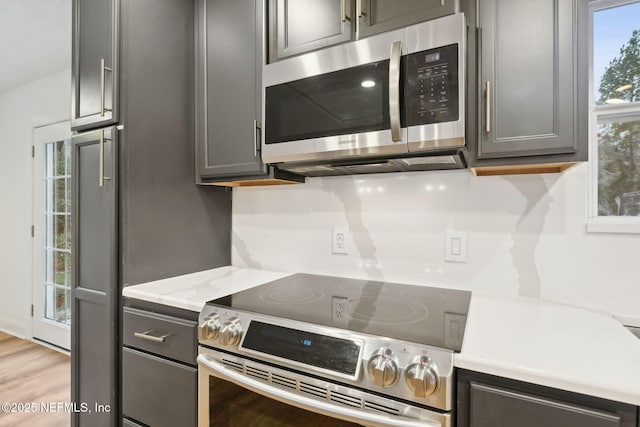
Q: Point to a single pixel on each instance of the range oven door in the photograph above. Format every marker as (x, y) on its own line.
(233, 394)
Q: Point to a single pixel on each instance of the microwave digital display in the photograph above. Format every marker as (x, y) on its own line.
(432, 57)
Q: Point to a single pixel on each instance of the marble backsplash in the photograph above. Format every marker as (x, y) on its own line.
(526, 235)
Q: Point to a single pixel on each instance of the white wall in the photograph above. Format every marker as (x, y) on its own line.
(526, 234)
(35, 104)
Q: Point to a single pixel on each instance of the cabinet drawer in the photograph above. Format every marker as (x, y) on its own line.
(158, 392)
(495, 406)
(129, 423)
(160, 334)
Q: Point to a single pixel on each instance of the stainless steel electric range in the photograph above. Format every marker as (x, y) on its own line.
(351, 352)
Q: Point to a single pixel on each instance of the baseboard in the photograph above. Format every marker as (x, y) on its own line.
(13, 327)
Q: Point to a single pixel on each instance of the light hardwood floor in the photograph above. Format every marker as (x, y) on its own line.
(35, 375)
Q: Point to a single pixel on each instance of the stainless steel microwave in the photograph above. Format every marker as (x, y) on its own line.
(391, 100)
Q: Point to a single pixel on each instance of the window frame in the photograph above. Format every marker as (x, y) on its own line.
(595, 222)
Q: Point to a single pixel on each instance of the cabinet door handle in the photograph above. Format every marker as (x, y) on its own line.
(103, 70)
(359, 8)
(146, 335)
(101, 177)
(488, 106)
(394, 90)
(256, 140)
(343, 6)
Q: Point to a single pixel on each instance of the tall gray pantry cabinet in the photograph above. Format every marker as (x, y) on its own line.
(138, 215)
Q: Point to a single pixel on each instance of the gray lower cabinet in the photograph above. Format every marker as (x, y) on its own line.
(299, 26)
(129, 423)
(532, 82)
(94, 291)
(94, 100)
(485, 400)
(159, 371)
(229, 61)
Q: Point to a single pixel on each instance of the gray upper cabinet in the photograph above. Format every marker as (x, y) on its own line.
(229, 57)
(94, 99)
(228, 88)
(532, 80)
(299, 26)
(377, 16)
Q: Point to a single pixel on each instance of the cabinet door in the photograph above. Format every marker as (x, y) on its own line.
(377, 16)
(487, 400)
(228, 88)
(493, 406)
(298, 26)
(158, 392)
(528, 97)
(94, 100)
(94, 348)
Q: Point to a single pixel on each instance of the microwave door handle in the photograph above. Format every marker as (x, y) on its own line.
(328, 408)
(394, 91)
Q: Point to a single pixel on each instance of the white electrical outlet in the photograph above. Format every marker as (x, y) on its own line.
(340, 240)
(339, 311)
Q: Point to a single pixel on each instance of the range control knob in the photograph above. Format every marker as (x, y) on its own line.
(209, 328)
(422, 377)
(230, 332)
(383, 367)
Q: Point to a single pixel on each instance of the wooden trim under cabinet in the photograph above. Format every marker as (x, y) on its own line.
(523, 169)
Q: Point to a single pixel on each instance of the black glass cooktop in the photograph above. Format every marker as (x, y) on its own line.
(419, 314)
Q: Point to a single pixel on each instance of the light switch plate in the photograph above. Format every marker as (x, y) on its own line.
(455, 246)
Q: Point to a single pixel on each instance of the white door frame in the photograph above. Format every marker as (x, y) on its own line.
(43, 329)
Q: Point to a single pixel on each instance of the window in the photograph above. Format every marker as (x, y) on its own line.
(58, 231)
(615, 118)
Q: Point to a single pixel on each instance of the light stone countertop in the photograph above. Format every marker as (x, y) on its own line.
(192, 291)
(529, 340)
(553, 345)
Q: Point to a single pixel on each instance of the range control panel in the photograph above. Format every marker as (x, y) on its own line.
(431, 86)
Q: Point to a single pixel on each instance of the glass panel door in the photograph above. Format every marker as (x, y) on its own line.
(52, 234)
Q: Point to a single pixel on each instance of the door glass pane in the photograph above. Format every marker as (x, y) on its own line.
(57, 220)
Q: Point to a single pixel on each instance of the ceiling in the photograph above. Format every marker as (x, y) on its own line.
(35, 40)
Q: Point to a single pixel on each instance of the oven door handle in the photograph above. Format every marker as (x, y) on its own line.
(217, 369)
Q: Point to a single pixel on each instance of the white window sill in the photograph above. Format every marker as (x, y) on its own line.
(620, 225)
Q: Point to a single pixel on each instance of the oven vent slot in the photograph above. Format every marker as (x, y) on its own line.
(257, 373)
(283, 381)
(381, 408)
(233, 365)
(313, 389)
(345, 399)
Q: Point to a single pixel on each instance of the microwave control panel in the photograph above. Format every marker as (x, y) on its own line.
(431, 86)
